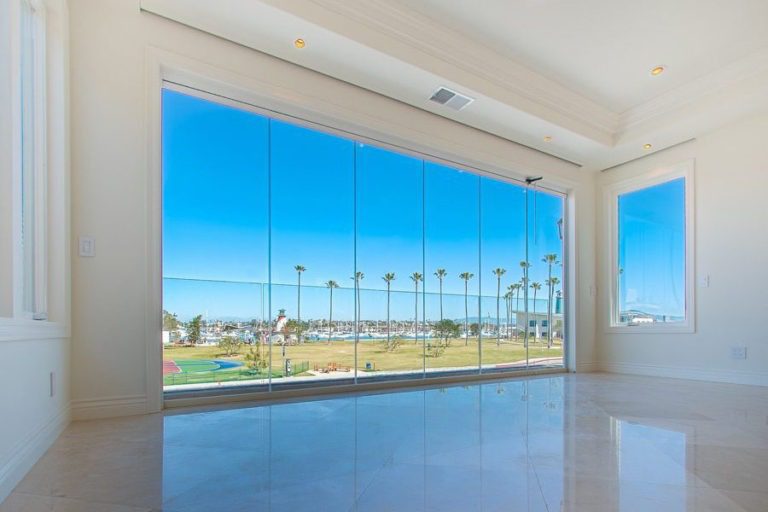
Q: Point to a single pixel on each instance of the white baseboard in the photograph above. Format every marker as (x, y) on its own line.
(97, 408)
(587, 367)
(29, 450)
(732, 377)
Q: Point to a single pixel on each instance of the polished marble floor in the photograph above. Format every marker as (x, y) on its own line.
(557, 443)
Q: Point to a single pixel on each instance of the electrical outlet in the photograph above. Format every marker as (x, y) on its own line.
(738, 352)
(51, 382)
(704, 281)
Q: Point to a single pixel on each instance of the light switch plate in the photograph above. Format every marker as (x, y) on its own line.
(86, 247)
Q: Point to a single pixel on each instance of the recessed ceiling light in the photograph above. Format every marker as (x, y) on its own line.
(299, 43)
(548, 138)
(657, 70)
(647, 146)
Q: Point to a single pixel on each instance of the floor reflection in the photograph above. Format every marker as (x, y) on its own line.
(561, 443)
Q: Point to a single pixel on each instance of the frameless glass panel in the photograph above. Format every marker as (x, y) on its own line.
(312, 252)
(215, 231)
(390, 263)
(503, 254)
(452, 269)
(213, 334)
(545, 297)
(651, 254)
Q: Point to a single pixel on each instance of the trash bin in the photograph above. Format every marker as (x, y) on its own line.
(288, 367)
(368, 365)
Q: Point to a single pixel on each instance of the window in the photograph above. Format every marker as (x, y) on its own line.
(28, 194)
(652, 255)
(294, 255)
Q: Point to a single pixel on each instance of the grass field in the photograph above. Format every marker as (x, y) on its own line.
(407, 356)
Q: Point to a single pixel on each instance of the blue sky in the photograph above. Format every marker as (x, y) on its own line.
(230, 174)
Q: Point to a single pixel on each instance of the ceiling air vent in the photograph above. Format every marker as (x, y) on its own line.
(451, 99)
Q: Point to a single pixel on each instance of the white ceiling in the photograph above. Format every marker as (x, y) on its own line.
(576, 70)
(603, 49)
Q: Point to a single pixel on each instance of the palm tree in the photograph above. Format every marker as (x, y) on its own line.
(550, 260)
(498, 272)
(551, 282)
(331, 285)
(299, 269)
(524, 265)
(516, 287)
(440, 274)
(359, 276)
(466, 276)
(416, 277)
(388, 277)
(536, 287)
(507, 307)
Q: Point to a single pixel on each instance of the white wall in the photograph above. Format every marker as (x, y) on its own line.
(30, 418)
(731, 212)
(112, 44)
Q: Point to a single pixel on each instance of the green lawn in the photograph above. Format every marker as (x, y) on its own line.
(407, 356)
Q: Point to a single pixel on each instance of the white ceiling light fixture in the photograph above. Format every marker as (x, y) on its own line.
(450, 98)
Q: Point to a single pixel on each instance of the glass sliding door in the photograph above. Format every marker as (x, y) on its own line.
(312, 239)
(390, 264)
(452, 269)
(503, 263)
(215, 241)
(545, 286)
(297, 257)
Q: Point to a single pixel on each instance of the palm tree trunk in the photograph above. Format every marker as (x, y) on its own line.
(330, 317)
(388, 343)
(498, 319)
(549, 308)
(506, 310)
(298, 308)
(535, 328)
(466, 315)
(416, 316)
(441, 300)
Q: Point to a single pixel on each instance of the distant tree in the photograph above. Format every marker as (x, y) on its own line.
(444, 330)
(230, 345)
(388, 278)
(551, 283)
(516, 289)
(300, 269)
(441, 274)
(330, 285)
(498, 272)
(507, 307)
(550, 260)
(255, 360)
(193, 329)
(416, 277)
(359, 276)
(170, 321)
(474, 329)
(535, 287)
(525, 265)
(466, 276)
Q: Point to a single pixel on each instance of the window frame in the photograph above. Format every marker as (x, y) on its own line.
(49, 162)
(39, 152)
(657, 176)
